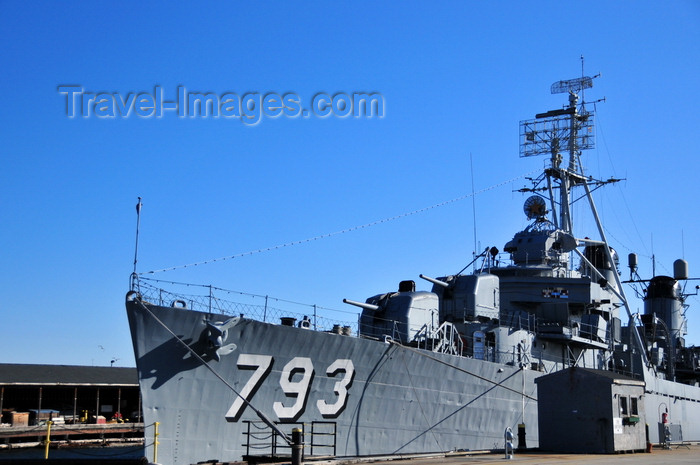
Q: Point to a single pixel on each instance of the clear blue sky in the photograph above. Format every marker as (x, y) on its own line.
(456, 77)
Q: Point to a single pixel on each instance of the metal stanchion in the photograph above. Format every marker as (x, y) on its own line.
(155, 442)
(48, 438)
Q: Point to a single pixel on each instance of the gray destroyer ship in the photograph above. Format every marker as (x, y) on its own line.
(424, 371)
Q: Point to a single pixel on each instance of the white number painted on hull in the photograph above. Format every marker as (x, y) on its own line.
(340, 388)
(262, 365)
(298, 389)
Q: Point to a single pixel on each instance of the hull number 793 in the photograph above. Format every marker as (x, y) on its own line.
(295, 381)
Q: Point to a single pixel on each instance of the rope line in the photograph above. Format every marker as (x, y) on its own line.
(343, 231)
(420, 404)
(261, 415)
(498, 384)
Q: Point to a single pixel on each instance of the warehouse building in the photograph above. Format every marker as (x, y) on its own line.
(31, 394)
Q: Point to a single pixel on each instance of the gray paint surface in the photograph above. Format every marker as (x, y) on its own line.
(401, 400)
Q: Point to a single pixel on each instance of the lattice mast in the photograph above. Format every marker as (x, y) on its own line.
(570, 129)
(565, 130)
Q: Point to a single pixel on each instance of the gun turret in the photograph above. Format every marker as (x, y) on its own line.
(363, 305)
(434, 281)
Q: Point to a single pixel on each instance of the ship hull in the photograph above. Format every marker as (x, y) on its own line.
(681, 404)
(378, 397)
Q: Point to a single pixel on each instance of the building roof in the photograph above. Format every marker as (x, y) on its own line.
(614, 378)
(69, 375)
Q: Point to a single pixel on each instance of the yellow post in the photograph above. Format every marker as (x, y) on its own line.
(155, 442)
(48, 439)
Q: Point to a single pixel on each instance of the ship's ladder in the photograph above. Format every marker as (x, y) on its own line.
(449, 340)
(445, 339)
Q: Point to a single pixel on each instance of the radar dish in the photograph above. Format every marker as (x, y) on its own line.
(535, 207)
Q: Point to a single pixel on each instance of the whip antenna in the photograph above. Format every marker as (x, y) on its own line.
(138, 221)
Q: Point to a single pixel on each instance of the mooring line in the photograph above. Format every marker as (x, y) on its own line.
(261, 415)
(343, 231)
(420, 404)
(496, 384)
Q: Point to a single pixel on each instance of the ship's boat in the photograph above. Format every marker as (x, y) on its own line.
(450, 368)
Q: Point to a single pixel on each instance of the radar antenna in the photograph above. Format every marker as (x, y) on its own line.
(535, 207)
(572, 85)
(569, 129)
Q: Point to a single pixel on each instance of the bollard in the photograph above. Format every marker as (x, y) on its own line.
(522, 443)
(48, 439)
(297, 446)
(508, 437)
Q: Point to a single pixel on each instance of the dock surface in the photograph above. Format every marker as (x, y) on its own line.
(676, 455)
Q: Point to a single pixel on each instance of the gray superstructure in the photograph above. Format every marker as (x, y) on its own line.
(430, 371)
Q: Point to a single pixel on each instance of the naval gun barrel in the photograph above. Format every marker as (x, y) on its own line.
(366, 306)
(434, 281)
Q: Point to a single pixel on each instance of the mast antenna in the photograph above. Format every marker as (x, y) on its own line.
(138, 221)
(582, 75)
(556, 132)
(471, 166)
